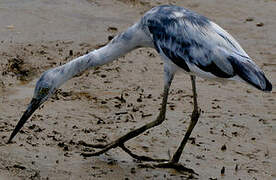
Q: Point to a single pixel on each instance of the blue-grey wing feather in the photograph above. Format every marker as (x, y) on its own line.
(200, 46)
(190, 39)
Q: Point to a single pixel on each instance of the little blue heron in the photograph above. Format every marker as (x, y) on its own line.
(185, 41)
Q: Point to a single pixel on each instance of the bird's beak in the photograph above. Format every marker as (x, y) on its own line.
(34, 104)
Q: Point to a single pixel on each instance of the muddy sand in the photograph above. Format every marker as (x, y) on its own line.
(236, 131)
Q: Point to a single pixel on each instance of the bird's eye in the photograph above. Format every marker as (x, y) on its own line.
(44, 91)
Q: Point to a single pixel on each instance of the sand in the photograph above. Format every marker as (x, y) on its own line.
(236, 131)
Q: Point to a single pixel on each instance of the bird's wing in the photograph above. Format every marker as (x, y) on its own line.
(193, 42)
(199, 46)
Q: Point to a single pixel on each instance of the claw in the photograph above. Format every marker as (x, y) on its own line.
(99, 146)
(86, 154)
(177, 166)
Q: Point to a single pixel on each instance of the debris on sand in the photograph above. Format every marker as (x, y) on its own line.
(17, 67)
(249, 19)
(223, 147)
(222, 171)
(112, 29)
(260, 24)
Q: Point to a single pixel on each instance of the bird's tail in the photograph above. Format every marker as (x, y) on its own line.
(248, 71)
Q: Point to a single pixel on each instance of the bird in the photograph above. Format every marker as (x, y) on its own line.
(185, 40)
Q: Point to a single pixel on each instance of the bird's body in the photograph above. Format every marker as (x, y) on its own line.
(184, 39)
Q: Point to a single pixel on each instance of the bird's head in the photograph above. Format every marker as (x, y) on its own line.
(45, 87)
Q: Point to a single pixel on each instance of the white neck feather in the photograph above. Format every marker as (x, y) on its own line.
(131, 39)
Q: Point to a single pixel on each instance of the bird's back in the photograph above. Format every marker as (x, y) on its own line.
(200, 47)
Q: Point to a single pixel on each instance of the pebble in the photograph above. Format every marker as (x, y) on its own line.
(260, 24)
(223, 147)
(222, 171)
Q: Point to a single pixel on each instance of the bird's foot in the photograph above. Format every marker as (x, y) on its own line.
(140, 158)
(97, 146)
(171, 165)
(106, 147)
(176, 166)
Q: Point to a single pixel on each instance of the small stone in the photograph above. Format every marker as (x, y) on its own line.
(223, 147)
(249, 19)
(71, 52)
(192, 140)
(110, 37)
(133, 171)
(19, 166)
(260, 24)
(103, 102)
(139, 99)
(222, 171)
(114, 29)
(66, 148)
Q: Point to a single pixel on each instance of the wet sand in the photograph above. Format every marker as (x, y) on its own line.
(236, 130)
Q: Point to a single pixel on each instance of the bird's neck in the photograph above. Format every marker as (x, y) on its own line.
(132, 38)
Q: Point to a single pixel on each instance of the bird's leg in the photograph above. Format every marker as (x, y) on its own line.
(161, 117)
(194, 119)
(173, 163)
(140, 158)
